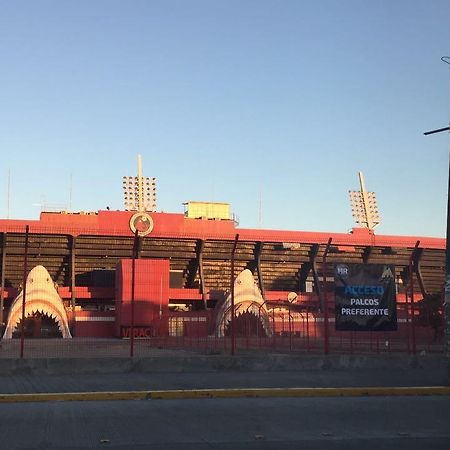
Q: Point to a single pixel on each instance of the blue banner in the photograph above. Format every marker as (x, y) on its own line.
(365, 297)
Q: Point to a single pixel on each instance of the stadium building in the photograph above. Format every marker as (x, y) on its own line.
(112, 273)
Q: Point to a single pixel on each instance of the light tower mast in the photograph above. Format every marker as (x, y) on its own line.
(139, 193)
(364, 206)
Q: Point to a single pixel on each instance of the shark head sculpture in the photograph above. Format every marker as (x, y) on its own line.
(41, 297)
(248, 302)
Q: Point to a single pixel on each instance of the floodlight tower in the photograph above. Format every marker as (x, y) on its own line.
(139, 193)
(364, 206)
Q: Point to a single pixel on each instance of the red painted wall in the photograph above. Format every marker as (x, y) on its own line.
(110, 223)
(151, 293)
(94, 324)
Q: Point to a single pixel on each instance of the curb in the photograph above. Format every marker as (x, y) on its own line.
(227, 393)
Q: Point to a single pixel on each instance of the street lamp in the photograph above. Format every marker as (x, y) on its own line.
(447, 259)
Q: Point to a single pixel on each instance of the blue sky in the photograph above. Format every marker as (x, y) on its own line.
(271, 106)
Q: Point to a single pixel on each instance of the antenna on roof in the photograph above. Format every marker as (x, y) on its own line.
(70, 193)
(8, 193)
(260, 217)
(140, 184)
(364, 206)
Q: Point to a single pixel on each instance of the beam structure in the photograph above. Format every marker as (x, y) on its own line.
(366, 254)
(2, 292)
(73, 295)
(200, 248)
(312, 260)
(416, 259)
(258, 251)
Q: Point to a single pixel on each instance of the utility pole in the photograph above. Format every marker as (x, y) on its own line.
(447, 259)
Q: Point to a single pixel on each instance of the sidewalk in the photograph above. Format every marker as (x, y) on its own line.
(190, 372)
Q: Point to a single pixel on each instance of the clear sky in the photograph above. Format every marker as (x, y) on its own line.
(272, 106)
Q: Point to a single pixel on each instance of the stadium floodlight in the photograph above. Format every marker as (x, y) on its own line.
(364, 206)
(139, 193)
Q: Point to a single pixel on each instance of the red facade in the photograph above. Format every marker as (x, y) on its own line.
(151, 296)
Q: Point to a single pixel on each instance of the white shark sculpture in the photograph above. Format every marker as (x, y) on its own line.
(42, 297)
(247, 299)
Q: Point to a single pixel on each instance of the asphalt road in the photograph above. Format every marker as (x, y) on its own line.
(225, 424)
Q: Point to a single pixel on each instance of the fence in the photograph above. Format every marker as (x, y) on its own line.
(294, 332)
(124, 295)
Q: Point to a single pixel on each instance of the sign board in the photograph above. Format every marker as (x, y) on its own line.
(365, 297)
(139, 332)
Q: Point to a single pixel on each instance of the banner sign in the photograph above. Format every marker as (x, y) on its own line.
(138, 332)
(365, 297)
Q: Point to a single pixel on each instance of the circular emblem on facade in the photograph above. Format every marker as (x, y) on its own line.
(141, 222)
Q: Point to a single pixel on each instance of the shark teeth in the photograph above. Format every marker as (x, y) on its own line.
(247, 300)
(41, 299)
